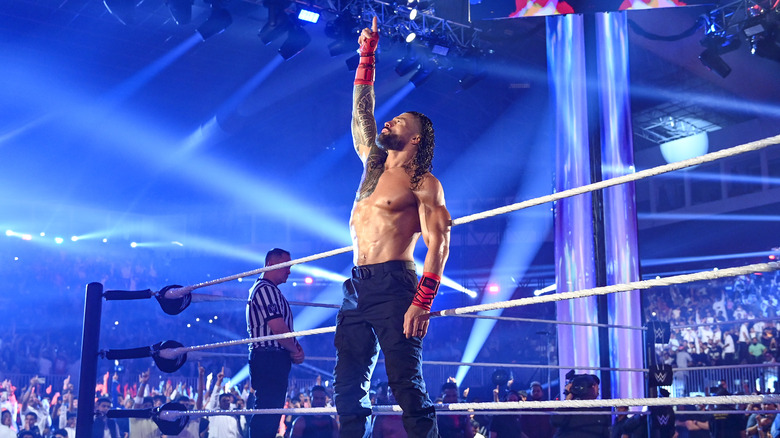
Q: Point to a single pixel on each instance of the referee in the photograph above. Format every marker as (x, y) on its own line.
(268, 313)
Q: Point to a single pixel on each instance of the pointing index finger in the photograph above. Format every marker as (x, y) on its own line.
(374, 25)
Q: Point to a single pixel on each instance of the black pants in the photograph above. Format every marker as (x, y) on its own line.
(269, 371)
(372, 315)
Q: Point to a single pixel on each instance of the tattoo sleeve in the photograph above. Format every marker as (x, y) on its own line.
(363, 122)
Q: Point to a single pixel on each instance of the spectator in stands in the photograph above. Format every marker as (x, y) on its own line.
(507, 426)
(387, 426)
(453, 426)
(537, 426)
(317, 426)
(760, 425)
(104, 427)
(222, 426)
(756, 351)
(6, 420)
(143, 427)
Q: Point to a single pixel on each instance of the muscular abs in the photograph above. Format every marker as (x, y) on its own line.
(385, 223)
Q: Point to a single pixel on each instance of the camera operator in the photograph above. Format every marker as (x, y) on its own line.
(581, 387)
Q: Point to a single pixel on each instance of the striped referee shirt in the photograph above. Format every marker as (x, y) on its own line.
(265, 303)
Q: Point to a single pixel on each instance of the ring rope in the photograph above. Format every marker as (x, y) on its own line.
(172, 353)
(198, 298)
(712, 156)
(548, 321)
(736, 321)
(467, 407)
(625, 287)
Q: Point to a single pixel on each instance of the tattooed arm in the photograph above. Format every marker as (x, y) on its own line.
(364, 128)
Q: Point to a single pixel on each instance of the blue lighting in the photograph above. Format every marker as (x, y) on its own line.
(310, 16)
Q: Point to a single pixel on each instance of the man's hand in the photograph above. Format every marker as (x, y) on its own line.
(369, 39)
(221, 375)
(201, 370)
(416, 322)
(297, 356)
(144, 377)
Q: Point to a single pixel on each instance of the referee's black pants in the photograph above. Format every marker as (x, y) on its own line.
(372, 315)
(269, 371)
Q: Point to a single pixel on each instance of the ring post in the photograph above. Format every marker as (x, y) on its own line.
(89, 359)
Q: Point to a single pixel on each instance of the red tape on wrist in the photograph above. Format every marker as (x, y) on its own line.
(427, 289)
(364, 75)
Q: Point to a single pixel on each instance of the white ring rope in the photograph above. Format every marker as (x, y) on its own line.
(549, 321)
(200, 298)
(468, 407)
(172, 353)
(625, 287)
(719, 323)
(712, 156)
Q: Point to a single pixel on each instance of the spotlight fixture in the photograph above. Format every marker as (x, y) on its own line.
(710, 59)
(181, 10)
(717, 45)
(122, 10)
(469, 79)
(297, 40)
(765, 46)
(218, 21)
(422, 75)
(406, 65)
(308, 15)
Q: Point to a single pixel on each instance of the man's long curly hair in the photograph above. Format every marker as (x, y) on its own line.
(423, 160)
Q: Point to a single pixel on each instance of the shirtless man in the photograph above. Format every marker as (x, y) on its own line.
(384, 305)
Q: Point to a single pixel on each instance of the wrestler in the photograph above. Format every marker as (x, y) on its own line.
(384, 305)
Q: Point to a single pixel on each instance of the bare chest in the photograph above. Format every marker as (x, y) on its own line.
(392, 193)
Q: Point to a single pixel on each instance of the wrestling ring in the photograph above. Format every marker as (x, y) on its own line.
(171, 355)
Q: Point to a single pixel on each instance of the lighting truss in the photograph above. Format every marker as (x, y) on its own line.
(461, 38)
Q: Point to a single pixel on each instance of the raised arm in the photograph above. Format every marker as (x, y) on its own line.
(363, 122)
(435, 223)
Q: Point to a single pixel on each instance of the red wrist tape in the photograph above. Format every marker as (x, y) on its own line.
(364, 75)
(426, 290)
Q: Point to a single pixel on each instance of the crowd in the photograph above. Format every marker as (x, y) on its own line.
(720, 322)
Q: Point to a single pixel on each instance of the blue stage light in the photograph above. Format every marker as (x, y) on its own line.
(307, 15)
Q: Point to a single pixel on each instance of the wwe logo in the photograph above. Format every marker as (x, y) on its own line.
(659, 335)
(660, 377)
(663, 419)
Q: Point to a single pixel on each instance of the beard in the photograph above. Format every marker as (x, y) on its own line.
(390, 142)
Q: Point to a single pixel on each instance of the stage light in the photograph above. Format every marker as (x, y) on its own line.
(296, 41)
(710, 59)
(413, 14)
(307, 15)
(410, 37)
(469, 79)
(308, 280)
(406, 65)
(218, 21)
(717, 45)
(440, 50)
(26, 237)
(105, 240)
(493, 288)
(133, 244)
(422, 75)
(43, 234)
(181, 10)
(765, 47)
(122, 10)
(58, 240)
